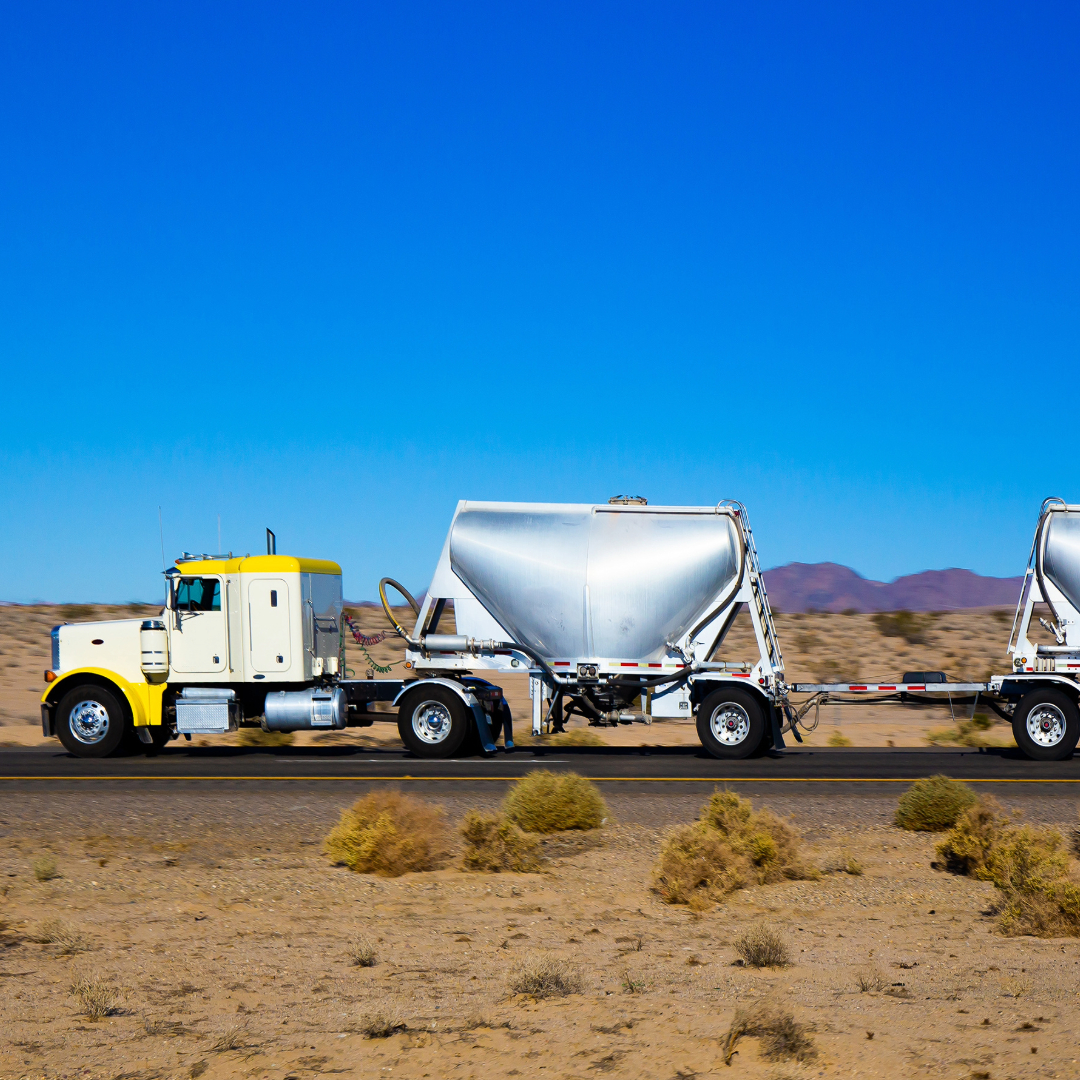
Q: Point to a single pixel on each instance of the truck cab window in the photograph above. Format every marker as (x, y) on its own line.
(198, 594)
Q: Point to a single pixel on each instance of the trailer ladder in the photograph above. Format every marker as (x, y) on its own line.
(757, 585)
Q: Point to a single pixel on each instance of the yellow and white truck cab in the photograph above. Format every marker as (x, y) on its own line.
(239, 638)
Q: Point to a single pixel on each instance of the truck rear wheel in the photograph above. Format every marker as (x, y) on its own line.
(731, 723)
(433, 722)
(90, 721)
(1046, 724)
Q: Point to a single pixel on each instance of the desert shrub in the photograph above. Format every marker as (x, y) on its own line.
(1029, 866)
(96, 998)
(832, 671)
(575, 737)
(933, 805)
(762, 946)
(838, 738)
(254, 736)
(966, 848)
(44, 867)
(75, 612)
(1049, 909)
(912, 628)
(697, 867)
(544, 976)
(782, 1037)
(729, 847)
(546, 802)
(58, 932)
(494, 843)
(971, 732)
(1025, 859)
(870, 979)
(233, 1037)
(769, 843)
(382, 1020)
(389, 833)
(361, 951)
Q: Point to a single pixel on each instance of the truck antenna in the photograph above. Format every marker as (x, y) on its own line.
(219, 532)
(271, 543)
(161, 536)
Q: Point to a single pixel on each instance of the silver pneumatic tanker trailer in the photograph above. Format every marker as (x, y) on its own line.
(616, 612)
(1039, 697)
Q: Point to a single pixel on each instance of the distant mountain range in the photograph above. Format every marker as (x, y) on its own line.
(831, 587)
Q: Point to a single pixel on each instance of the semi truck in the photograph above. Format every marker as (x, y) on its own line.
(616, 612)
(252, 639)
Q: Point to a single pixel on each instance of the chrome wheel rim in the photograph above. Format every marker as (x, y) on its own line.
(730, 724)
(1046, 725)
(89, 722)
(431, 722)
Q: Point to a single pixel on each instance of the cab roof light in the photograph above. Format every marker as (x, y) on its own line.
(190, 557)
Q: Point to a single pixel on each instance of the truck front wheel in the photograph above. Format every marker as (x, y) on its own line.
(433, 722)
(1046, 725)
(731, 723)
(90, 721)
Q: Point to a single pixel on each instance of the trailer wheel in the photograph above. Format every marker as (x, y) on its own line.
(1046, 725)
(433, 722)
(90, 721)
(731, 723)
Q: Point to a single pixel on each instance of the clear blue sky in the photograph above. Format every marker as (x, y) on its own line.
(331, 267)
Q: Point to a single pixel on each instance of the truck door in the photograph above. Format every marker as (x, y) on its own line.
(198, 641)
(268, 625)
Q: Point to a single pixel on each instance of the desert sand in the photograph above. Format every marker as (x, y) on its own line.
(225, 934)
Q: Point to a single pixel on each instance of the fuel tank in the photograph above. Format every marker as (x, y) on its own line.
(604, 581)
(1059, 551)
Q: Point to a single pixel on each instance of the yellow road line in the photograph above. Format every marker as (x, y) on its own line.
(595, 779)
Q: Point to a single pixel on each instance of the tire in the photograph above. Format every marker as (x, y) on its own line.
(1046, 725)
(90, 721)
(433, 722)
(731, 723)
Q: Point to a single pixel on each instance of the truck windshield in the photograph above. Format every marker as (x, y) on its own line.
(198, 594)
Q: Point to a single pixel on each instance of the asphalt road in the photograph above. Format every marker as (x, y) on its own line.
(636, 767)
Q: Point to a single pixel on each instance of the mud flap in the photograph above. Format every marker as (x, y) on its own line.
(483, 729)
(777, 736)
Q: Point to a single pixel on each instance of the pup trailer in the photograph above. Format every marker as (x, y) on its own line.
(1039, 696)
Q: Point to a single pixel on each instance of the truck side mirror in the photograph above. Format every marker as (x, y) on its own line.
(171, 577)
